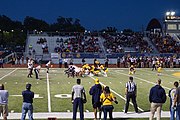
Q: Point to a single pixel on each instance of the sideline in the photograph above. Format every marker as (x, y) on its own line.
(117, 94)
(8, 74)
(89, 115)
(48, 91)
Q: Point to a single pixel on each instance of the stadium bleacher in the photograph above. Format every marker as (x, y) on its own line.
(83, 46)
(126, 43)
(165, 44)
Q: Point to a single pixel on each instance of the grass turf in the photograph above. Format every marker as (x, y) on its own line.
(60, 84)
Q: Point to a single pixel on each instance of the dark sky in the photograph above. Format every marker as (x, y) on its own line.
(93, 14)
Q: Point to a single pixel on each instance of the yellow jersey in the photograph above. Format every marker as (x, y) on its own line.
(106, 100)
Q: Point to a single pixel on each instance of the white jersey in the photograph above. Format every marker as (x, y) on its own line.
(47, 64)
(38, 67)
(30, 65)
(77, 69)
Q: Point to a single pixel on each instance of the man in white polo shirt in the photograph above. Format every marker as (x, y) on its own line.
(78, 99)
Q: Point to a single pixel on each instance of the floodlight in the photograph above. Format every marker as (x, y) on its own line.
(168, 13)
(172, 13)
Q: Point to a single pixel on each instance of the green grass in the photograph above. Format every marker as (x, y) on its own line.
(60, 84)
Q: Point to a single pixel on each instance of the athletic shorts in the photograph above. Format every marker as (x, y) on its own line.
(3, 109)
(97, 105)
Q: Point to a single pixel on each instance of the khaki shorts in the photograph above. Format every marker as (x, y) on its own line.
(4, 110)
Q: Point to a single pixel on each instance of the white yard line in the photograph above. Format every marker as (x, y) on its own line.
(117, 94)
(8, 74)
(143, 80)
(48, 91)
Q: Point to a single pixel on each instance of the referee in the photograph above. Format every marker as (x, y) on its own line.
(130, 92)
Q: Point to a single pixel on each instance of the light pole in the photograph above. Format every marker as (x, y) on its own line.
(170, 15)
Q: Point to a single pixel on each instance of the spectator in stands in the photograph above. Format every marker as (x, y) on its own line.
(172, 98)
(60, 62)
(118, 62)
(30, 47)
(65, 63)
(27, 106)
(71, 61)
(27, 60)
(13, 60)
(157, 98)
(106, 62)
(3, 102)
(1, 62)
(43, 46)
(83, 61)
(34, 51)
(22, 59)
(18, 60)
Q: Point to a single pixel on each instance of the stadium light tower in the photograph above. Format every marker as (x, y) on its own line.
(170, 15)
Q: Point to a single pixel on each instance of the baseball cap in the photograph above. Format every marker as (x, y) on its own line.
(28, 86)
(130, 78)
(1, 87)
(96, 81)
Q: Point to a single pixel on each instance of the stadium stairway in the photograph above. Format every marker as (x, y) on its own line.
(155, 50)
(175, 36)
(68, 115)
(101, 41)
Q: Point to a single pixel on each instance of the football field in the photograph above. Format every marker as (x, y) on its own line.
(53, 90)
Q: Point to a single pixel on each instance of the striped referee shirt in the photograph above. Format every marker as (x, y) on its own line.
(131, 86)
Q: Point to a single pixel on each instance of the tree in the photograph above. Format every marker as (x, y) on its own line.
(31, 24)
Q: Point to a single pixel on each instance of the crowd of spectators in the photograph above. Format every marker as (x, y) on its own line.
(165, 44)
(147, 61)
(116, 44)
(78, 44)
(43, 42)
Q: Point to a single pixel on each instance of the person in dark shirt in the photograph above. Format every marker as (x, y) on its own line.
(118, 62)
(1, 62)
(27, 106)
(83, 61)
(96, 91)
(157, 98)
(106, 62)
